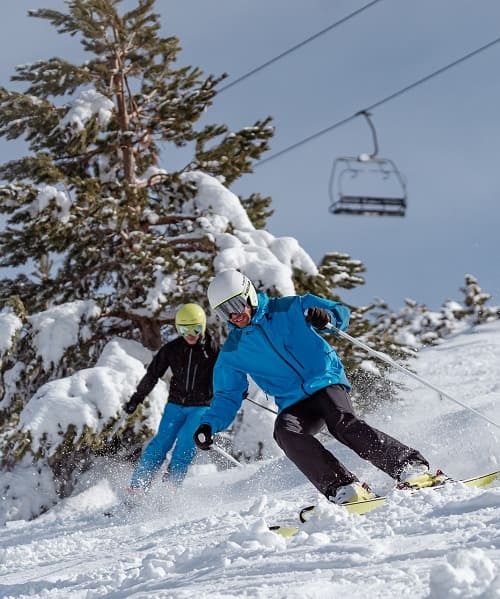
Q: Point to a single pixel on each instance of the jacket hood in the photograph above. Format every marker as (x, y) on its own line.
(261, 308)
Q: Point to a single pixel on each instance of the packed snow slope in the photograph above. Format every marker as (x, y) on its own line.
(211, 539)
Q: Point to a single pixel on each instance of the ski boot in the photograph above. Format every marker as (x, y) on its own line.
(417, 475)
(130, 500)
(356, 491)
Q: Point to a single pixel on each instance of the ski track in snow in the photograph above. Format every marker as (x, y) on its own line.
(211, 539)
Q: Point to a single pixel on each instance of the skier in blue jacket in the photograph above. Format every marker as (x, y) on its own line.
(276, 342)
(191, 357)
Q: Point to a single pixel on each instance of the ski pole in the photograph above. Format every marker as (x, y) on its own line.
(261, 406)
(390, 361)
(226, 455)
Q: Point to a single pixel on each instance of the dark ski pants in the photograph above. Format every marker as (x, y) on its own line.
(296, 426)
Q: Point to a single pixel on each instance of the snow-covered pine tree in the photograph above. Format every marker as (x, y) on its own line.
(92, 169)
(474, 302)
(106, 241)
(416, 326)
(92, 220)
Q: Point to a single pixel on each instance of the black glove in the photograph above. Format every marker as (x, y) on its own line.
(203, 436)
(318, 317)
(132, 404)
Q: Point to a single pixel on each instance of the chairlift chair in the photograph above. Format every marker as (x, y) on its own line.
(345, 199)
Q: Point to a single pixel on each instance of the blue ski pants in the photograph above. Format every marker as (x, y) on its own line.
(177, 423)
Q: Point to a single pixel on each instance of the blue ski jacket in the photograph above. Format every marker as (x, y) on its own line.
(283, 354)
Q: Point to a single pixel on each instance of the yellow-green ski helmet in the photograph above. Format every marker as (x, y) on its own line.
(190, 320)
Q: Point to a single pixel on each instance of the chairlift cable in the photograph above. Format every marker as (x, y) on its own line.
(379, 103)
(296, 47)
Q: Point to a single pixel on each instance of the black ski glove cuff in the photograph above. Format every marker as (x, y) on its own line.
(132, 404)
(318, 317)
(203, 436)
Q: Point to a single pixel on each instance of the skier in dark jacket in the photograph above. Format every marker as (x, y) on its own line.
(276, 342)
(191, 357)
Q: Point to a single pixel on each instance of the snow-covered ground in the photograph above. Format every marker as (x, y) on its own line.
(211, 539)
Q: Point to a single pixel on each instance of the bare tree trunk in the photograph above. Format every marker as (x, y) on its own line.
(123, 117)
(150, 332)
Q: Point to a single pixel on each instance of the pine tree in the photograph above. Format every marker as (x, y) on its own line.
(416, 326)
(93, 131)
(475, 300)
(105, 227)
(92, 169)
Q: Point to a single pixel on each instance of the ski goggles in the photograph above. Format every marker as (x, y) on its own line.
(234, 305)
(189, 330)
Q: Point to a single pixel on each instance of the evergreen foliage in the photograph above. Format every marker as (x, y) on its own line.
(474, 302)
(91, 216)
(92, 170)
(415, 326)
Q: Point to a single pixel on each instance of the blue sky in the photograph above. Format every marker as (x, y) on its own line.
(443, 135)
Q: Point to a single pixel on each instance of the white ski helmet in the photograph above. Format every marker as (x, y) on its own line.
(229, 292)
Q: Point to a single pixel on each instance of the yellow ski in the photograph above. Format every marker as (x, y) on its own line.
(363, 507)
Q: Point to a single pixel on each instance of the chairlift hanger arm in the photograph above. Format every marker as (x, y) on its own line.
(374, 133)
